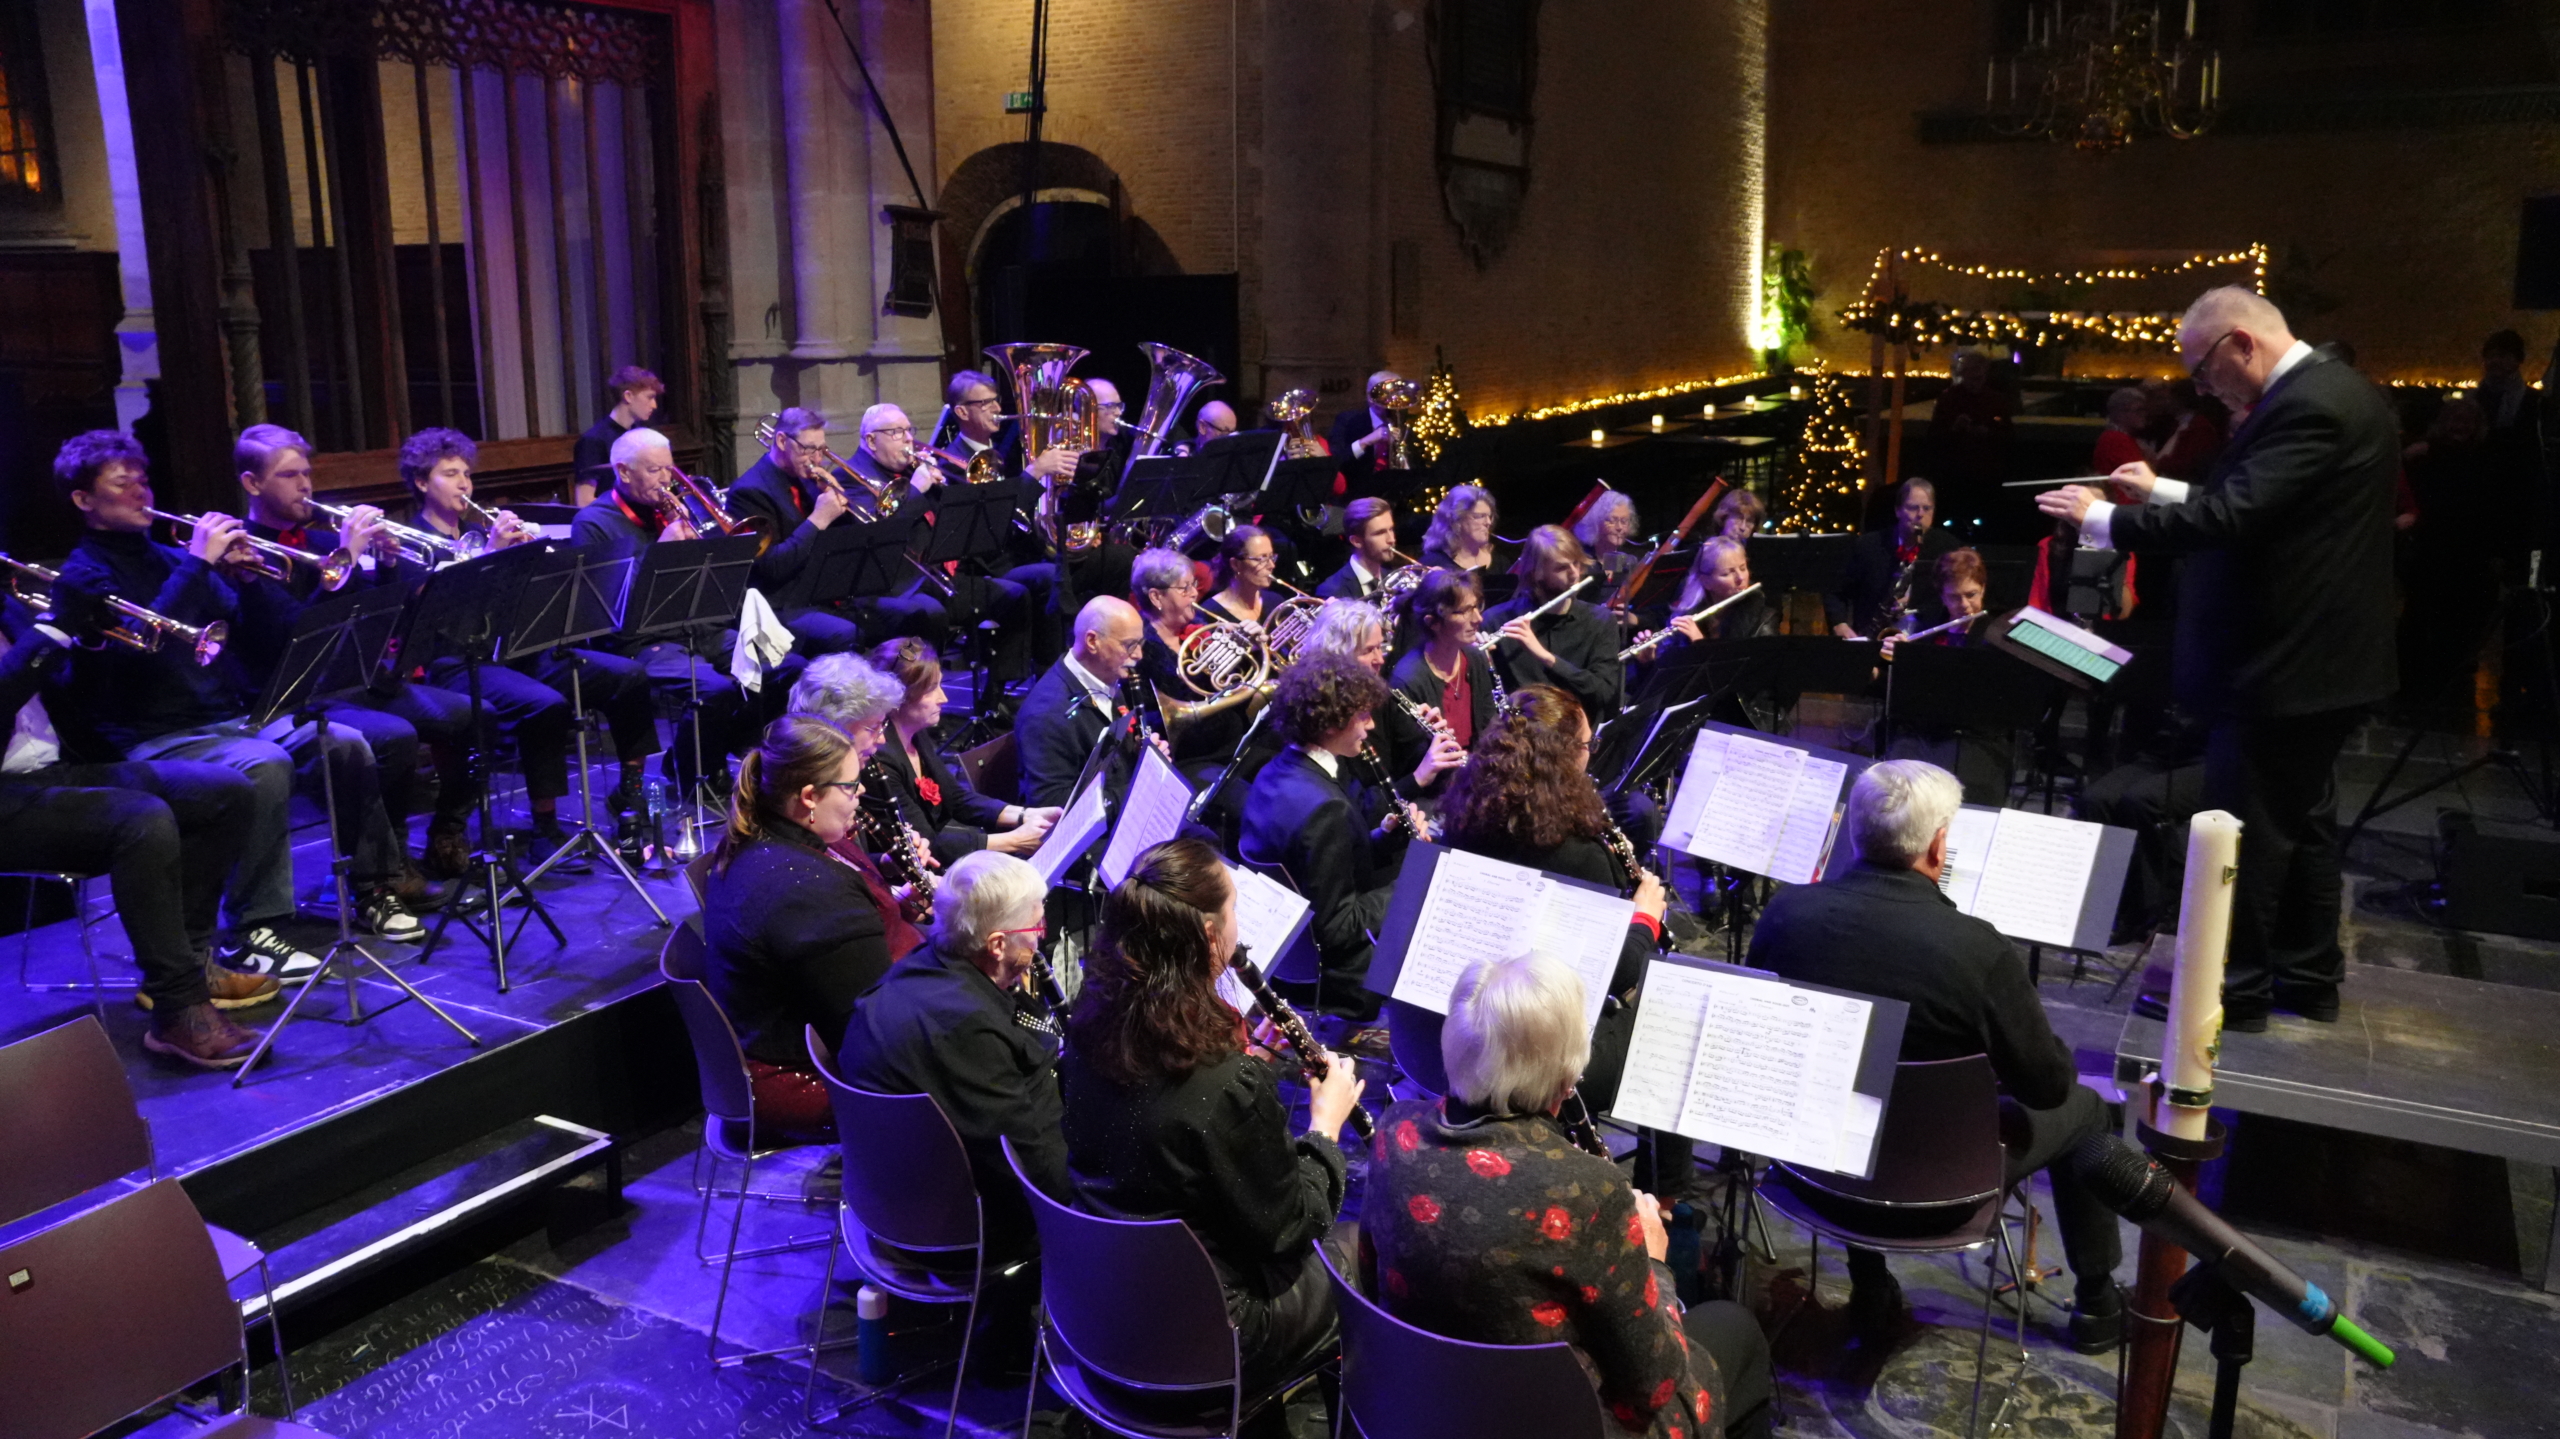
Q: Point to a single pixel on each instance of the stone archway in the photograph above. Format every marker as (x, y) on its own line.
(988, 186)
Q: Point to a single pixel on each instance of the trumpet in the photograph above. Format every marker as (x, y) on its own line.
(1664, 633)
(148, 631)
(1485, 643)
(493, 533)
(698, 491)
(417, 546)
(333, 568)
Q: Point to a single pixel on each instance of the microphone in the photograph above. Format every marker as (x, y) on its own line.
(2129, 1182)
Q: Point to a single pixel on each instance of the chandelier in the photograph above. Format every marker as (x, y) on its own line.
(2099, 72)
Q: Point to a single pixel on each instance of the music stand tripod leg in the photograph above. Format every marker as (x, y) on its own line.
(494, 870)
(586, 840)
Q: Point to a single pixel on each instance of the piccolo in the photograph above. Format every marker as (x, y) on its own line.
(1664, 633)
(1293, 1032)
(1486, 643)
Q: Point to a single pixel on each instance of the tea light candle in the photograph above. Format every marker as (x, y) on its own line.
(1795, 392)
(1599, 438)
(1657, 422)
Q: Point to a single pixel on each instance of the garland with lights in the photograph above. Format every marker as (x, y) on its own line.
(1825, 476)
(1623, 397)
(1439, 421)
(1927, 322)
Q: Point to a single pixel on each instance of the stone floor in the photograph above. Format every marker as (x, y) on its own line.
(609, 1333)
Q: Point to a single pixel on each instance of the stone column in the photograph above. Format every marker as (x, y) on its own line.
(1318, 244)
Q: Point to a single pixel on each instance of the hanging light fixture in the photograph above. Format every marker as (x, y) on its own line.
(2098, 73)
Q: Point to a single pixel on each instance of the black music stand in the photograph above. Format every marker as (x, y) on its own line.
(862, 559)
(1812, 563)
(682, 587)
(1162, 488)
(572, 595)
(466, 612)
(1239, 463)
(337, 644)
(1302, 483)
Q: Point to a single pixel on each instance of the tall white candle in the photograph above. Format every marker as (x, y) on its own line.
(2191, 19)
(2194, 1037)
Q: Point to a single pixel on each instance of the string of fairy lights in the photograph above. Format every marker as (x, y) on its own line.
(1903, 320)
(1820, 490)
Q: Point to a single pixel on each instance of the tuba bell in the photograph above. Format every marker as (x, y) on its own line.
(1055, 411)
(1172, 379)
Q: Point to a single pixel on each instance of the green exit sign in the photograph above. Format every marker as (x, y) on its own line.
(1017, 102)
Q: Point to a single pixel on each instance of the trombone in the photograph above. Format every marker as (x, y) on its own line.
(333, 568)
(697, 490)
(417, 546)
(147, 633)
(884, 497)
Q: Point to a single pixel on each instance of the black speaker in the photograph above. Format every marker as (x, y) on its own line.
(2538, 254)
(2498, 878)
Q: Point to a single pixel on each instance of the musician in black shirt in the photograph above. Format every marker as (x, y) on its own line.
(1886, 580)
(933, 794)
(634, 392)
(1573, 646)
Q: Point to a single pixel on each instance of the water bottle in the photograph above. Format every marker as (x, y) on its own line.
(874, 1362)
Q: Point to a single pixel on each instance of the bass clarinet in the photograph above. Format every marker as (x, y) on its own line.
(1293, 1032)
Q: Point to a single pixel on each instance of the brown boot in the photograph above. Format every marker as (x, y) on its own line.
(201, 1036)
(230, 988)
(448, 853)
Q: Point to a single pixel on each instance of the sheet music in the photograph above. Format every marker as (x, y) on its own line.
(1806, 836)
(1750, 803)
(1968, 850)
(1697, 782)
(1663, 1050)
(2037, 876)
(1479, 907)
(1775, 1068)
(1150, 815)
(1267, 913)
(1073, 834)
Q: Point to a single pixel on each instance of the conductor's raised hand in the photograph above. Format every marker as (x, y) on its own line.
(2131, 483)
(2069, 503)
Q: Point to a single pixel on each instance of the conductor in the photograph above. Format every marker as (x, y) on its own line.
(2284, 622)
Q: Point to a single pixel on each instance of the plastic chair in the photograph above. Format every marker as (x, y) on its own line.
(1133, 1325)
(728, 1125)
(119, 1309)
(1413, 1037)
(69, 1123)
(78, 884)
(910, 1216)
(994, 767)
(1938, 1187)
(1400, 1382)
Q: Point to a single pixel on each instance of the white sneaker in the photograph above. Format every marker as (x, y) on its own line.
(260, 950)
(384, 915)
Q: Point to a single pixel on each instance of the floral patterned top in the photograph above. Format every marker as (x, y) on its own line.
(1496, 1229)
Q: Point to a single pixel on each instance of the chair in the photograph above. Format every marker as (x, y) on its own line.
(728, 1124)
(114, 1311)
(1938, 1188)
(1400, 1382)
(910, 1215)
(994, 767)
(78, 884)
(1133, 1325)
(1413, 1037)
(697, 876)
(68, 1124)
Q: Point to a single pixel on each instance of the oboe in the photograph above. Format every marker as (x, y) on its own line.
(1615, 839)
(1438, 728)
(1293, 1032)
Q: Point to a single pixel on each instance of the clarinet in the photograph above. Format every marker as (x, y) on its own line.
(1293, 1032)
(1624, 850)
(1044, 983)
(897, 844)
(1438, 729)
(1581, 1128)
(1406, 813)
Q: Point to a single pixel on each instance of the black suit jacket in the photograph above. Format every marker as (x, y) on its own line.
(1055, 729)
(1359, 472)
(1865, 590)
(2285, 602)
(1890, 933)
(988, 1057)
(795, 940)
(1316, 827)
(1585, 642)
(1344, 584)
(957, 822)
(782, 501)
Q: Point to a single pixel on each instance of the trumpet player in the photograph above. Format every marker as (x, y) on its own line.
(643, 508)
(1573, 646)
(791, 487)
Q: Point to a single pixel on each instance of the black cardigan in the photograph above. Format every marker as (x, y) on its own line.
(795, 940)
(956, 823)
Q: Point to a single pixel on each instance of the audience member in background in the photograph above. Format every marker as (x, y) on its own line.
(796, 934)
(1482, 1222)
(2122, 442)
(1879, 925)
(1169, 1115)
(2451, 562)
(956, 1020)
(1969, 433)
(933, 794)
(2512, 429)
(1461, 533)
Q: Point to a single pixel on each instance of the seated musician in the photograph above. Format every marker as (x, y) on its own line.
(1066, 710)
(1444, 671)
(1573, 646)
(1416, 753)
(634, 394)
(1887, 570)
(1482, 1221)
(1980, 758)
(1461, 533)
(795, 934)
(644, 508)
(1309, 816)
(1246, 587)
(1606, 531)
(1215, 421)
(889, 462)
(162, 705)
(1170, 1116)
(1737, 516)
(1369, 523)
(1164, 588)
(958, 1020)
(1879, 925)
(932, 794)
(845, 691)
(1721, 571)
(165, 835)
(436, 466)
(395, 714)
(790, 490)
(979, 430)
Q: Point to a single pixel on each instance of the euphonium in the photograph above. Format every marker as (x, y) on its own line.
(1172, 379)
(1056, 412)
(1295, 410)
(1396, 397)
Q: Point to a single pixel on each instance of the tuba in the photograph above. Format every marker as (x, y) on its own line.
(1295, 410)
(1397, 398)
(1055, 411)
(1172, 379)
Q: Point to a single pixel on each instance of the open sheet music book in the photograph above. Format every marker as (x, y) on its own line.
(1269, 918)
(1150, 815)
(2040, 878)
(1748, 1061)
(1452, 908)
(1757, 804)
(1077, 828)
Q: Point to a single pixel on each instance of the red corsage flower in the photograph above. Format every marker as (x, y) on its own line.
(931, 791)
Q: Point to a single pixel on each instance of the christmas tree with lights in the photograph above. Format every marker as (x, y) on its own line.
(1439, 421)
(1819, 492)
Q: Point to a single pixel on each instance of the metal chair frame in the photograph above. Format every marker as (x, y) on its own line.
(98, 986)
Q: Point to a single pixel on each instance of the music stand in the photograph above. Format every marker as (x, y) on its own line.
(861, 559)
(1239, 463)
(1158, 487)
(1302, 483)
(337, 644)
(678, 587)
(466, 612)
(572, 595)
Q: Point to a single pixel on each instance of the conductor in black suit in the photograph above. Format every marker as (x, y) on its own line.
(2284, 623)
(1067, 709)
(1880, 926)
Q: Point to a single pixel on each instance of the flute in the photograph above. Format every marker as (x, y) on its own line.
(1664, 633)
(1487, 642)
(1293, 1032)
(1958, 622)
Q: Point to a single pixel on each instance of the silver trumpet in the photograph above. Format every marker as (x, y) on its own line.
(147, 633)
(333, 569)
